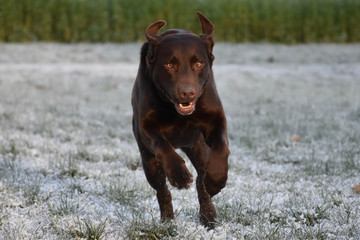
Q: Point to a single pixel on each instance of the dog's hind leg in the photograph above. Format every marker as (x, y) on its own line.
(199, 155)
(157, 179)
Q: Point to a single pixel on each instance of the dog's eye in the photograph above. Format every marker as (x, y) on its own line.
(169, 66)
(198, 65)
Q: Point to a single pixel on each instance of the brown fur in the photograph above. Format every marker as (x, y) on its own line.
(176, 105)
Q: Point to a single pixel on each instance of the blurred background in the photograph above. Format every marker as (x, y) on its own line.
(279, 21)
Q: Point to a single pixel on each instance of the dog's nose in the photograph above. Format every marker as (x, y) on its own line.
(187, 93)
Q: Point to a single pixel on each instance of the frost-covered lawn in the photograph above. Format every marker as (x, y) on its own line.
(70, 168)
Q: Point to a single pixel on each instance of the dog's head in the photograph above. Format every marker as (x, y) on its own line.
(180, 63)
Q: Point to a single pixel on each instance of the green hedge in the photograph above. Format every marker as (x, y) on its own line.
(286, 21)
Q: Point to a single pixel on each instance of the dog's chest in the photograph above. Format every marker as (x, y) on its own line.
(182, 136)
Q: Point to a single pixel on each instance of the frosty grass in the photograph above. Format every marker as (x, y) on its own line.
(70, 167)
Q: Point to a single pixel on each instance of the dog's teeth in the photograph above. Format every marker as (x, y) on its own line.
(184, 105)
(185, 108)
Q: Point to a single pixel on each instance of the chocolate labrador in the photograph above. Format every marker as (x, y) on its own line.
(176, 105)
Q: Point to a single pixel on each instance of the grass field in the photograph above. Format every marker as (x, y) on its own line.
(285, 21)
(70, 167)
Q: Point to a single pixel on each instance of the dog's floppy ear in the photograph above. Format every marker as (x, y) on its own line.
(151, 32)
(153, 38)
(207, 31)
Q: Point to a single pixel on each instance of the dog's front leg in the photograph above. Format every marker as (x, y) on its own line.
(173, 165)
(161, 161)
(217, 168)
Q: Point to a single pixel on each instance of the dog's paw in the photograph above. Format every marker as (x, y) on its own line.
(180, 177)
(208, 214)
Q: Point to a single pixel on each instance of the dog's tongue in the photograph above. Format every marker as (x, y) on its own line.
(185, 108)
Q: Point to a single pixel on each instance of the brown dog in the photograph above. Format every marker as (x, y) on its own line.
(176, 105)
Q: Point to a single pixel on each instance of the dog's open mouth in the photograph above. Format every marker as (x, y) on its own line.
(185, 108)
